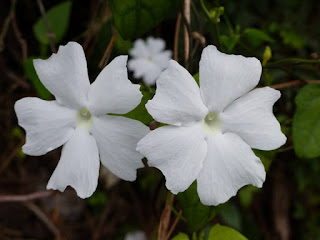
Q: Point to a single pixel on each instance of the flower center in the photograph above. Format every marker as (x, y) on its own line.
(149, 59)
(211, 123)
(84, 118)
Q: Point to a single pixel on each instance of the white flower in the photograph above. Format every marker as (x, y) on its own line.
(212, 130)
(149, 59)
(77, 120)
(137, 235)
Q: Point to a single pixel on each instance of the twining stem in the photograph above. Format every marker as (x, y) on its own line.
(176, 37)
(26, 197)
(293, 83)
(293, 60)
(186, 12)
(51, 35)
(108, 50)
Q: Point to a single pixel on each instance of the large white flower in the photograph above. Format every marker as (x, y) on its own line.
(149, 59)
(77, 119)
(212, 130)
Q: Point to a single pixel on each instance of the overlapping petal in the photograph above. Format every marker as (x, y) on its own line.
(230, 164)
(117, 138)
(112, 91)
(224, 78)
(251, 117)
(178, 152)
(48, 124)
(78, 166)
(177, 101)
(65, 75)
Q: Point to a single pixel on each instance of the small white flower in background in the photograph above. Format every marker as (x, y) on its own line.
(77, 120)
(137, 235)
(212, 129)
(149, 59)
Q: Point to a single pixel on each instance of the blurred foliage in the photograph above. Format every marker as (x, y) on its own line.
(306, 122)
(58, 20)
(135, 17)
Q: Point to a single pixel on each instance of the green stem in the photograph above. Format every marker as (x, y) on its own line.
(174, 210)
(205, 9)
(293, 60)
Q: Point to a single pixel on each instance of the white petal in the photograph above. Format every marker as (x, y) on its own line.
(139, 49)
(162, 59)
(65, 75)
(155, 45)
(145, 69)
(78, 166)
(48, 124)
(177, 100)
(224, 78)
(178, 152)
(117, 138)
(230, 164)
(251, 118)
(112, 91)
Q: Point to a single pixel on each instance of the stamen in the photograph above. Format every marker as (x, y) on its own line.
(211, 123)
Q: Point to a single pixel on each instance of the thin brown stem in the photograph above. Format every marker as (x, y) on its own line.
(108, 50)
(186, 13)
(51, 35)
(43, 217)
(176, 37)
(26, 197)
(174, 225)
(293, 83)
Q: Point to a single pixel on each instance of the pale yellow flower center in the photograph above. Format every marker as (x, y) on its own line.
(211, 123)
(84, 118)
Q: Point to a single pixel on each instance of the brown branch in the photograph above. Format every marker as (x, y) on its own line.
(176, 37)
(165, 219)
(108, 50)
(6, 23)
(43, 217)
(51, 35)
(26, 197)
(174, 225)
(293, 83)
(186, 13)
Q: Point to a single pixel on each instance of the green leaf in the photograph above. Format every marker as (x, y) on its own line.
(196, 214)
(256, 37)
(122, 46)
(58, 20)
(31, 74)
(230, 215)
(181, 236)
(219, 232)
(266, 157)
(140, 113)
(306, 122)
(229, 41)
(246, 194)
(291, 38)
(133, 18)
(196, 78)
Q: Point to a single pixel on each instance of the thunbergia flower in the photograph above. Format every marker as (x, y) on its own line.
(77, 120)
(212, 129)
(149, 59)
